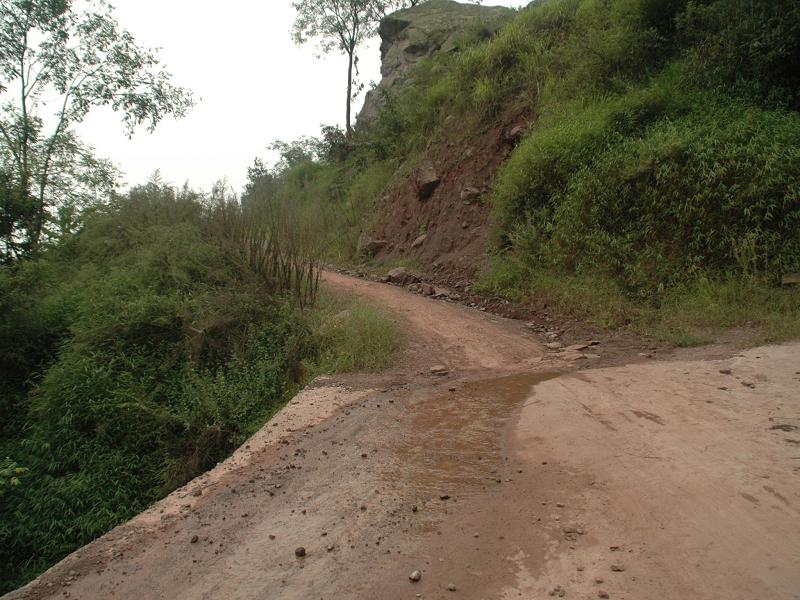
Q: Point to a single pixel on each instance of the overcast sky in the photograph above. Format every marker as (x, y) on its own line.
(254, 86)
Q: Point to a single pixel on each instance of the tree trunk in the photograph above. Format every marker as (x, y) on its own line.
(350, 54)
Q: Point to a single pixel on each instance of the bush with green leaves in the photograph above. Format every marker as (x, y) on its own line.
(709, 187)
(140, 352)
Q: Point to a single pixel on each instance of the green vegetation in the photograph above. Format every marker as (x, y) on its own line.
(662, 175)
(142, 350)
(59, 61)
(659, 185)
(328, 187)
(352, 336)
(144, 339)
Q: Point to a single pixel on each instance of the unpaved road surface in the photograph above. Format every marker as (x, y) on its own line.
(516, 475)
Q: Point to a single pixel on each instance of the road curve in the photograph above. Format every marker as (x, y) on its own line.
(513, 476)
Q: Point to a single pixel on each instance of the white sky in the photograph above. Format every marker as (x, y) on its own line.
(254, 86)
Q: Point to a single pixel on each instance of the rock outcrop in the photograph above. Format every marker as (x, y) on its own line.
(409, 35)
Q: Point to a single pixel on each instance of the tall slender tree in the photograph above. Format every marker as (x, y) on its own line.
(338, 25)
(60, 59)
(342, 26)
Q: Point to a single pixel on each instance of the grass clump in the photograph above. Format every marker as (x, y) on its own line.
(351, 335)
(689, 314)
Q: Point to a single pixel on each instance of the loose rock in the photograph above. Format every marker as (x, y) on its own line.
(576, 347)
(401, 276)
(469, 195)
(427, 180)
(514, 135)
(426, 289)
(415, 576)
(370, 246)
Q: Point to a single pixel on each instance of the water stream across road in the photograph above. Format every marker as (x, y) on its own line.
(452, 438)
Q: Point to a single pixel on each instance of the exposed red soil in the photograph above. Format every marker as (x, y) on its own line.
(456, 230)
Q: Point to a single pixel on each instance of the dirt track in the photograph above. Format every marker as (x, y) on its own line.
(514, 476)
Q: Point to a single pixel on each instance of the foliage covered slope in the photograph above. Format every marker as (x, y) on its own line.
(143, 350)
(662, 164)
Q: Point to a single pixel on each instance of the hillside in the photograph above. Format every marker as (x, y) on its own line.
(600, 202)
(632, 162)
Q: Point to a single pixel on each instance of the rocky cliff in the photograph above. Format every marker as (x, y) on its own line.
(409, 35)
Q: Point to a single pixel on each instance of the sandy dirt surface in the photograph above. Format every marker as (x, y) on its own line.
(521, 473)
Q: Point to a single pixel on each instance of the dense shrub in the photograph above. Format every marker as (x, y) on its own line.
(710, 189)
(136, 355)
(667, 146)
(750, 46)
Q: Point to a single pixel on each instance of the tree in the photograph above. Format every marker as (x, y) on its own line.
(342, 25)
(62, 59)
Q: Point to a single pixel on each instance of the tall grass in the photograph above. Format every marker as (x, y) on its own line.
(322, 207)
(351, 335)
(273, 241)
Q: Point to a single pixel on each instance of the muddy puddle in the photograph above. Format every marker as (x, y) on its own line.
(454, 439)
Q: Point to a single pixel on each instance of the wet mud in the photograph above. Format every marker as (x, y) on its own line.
(452, 439)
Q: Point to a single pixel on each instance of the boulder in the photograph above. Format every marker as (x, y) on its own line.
(514, 135)
(427, 180)
(426, 289)
(419, 241)
(370, 246)
(410, 35)
(401, 276)
(470, 195)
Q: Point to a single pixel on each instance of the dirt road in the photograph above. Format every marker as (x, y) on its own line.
(513, 476)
